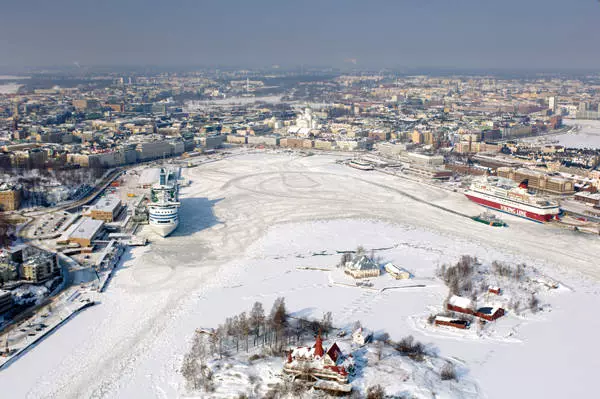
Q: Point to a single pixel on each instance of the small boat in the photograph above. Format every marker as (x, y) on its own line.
(490, 219)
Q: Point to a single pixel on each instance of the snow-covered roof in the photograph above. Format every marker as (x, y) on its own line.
(87, 228)
(108, 204)
(394, 268)
(362, 262)
(303, 352)
(460, 301)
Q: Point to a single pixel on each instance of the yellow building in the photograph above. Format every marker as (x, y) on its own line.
(10, 198)
(417, 137)
(39, 268)
(106, 209)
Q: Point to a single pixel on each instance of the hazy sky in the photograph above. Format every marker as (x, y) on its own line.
(431, 33)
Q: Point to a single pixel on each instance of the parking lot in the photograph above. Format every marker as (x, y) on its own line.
(51, 224)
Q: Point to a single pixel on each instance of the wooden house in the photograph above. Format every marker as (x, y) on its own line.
(362, 267)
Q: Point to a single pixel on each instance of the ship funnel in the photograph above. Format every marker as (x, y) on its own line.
(524, 184)
(163, 177)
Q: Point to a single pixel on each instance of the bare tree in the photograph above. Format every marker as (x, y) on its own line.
(278, 317)
(194, 369)
(534, 303)
(448, 372)
(6, 231)
(244, 328)
(327, 323)
(379, 350)
(346, 257)
(257, 319)
(375, 392)
(235, 332)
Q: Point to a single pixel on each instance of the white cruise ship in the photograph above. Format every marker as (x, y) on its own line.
(163, 209)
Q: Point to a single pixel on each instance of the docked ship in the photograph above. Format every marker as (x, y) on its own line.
(163, 208)
(360, 164)
(504, 196)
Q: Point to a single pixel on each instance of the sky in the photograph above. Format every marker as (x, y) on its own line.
(477, 34)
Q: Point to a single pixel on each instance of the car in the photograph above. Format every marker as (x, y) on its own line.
(31, 334)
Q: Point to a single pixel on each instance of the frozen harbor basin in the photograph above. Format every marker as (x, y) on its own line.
(249, 223)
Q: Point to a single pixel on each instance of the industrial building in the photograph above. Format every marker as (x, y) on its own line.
(85, 231)
(106, 209)
(538, 180)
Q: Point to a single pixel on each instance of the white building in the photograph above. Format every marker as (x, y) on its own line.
(552, 104)
(397, 272)
(307, 120)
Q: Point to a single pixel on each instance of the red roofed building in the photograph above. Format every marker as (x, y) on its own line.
(317, 362)
(318, 347)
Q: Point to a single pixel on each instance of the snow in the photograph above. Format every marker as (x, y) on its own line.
(29, 293)
(248, 226)
(461, 302)
(588, 136)
(9, 88)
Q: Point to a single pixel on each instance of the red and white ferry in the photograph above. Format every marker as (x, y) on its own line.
(501, 195)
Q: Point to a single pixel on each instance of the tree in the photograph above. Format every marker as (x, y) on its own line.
(278, 317)
(346, 257)
(193, 367)
(534, 303)
(257, 319)
(375, 392)
(244, 328)
(360, 250)
(327, 323)
(448, 372)
(235, 331)
(220, 336)
(379, 350)
(6, 231)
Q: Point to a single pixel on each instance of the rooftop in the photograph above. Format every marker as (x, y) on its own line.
(107, 204)
(86, 228)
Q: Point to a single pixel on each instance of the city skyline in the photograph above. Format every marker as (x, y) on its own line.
(384, 34)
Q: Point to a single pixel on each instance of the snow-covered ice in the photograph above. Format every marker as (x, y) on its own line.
(248, 224)
(588, 135)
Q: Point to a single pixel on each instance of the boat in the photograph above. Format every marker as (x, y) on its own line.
(502, 195)
(490, 219)
(163, 208)
(362, 165)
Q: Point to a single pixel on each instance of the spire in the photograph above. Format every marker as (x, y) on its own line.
(319, 351)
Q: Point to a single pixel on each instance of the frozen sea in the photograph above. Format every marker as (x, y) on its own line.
(248, 223)
(588, 135)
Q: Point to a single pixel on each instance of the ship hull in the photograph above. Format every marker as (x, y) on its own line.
(360, 167)
(164, 229)
(512, 210)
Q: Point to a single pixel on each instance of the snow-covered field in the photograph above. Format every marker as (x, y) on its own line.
(248, 224)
